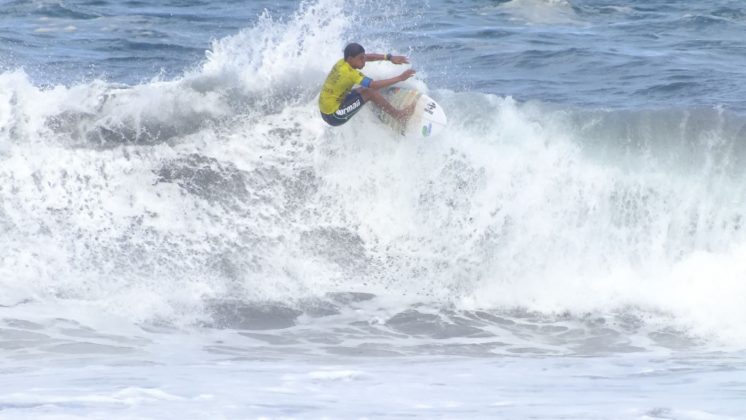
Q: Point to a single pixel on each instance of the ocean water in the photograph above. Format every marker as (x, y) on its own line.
(182, 236)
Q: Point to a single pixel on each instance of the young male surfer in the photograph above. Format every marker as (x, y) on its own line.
(338, 100)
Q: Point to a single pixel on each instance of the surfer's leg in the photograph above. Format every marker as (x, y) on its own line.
(375, 96)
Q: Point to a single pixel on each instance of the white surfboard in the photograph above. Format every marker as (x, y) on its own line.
(427, 120)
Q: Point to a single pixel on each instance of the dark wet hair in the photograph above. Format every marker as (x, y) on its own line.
(354, 49)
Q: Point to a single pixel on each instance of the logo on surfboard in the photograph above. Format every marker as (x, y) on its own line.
(427, 129)
(430, 107)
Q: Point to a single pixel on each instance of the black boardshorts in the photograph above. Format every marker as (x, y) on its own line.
(351, 104)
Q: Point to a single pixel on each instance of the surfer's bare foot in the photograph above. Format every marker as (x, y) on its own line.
(404, 114)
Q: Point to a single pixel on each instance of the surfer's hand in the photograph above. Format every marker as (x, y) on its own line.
(399, 59)
(406, 75)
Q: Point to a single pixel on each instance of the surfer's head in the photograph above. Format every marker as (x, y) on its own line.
(355, 55)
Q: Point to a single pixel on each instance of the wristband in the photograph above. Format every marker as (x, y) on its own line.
(388, 56)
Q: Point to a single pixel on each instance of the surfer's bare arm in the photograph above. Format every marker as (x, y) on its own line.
(380, 84)
(396, 59)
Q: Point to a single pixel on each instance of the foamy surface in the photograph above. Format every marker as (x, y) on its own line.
(184, 237)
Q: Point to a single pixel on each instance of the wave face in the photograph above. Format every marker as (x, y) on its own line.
(185, 200)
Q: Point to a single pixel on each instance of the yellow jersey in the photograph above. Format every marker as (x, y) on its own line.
(338, 84)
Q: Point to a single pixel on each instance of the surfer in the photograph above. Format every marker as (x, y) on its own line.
(338, 100)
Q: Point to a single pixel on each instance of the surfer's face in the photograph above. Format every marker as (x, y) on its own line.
(358, 61)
